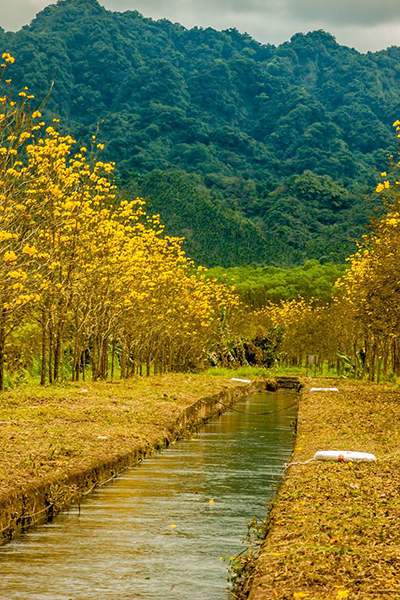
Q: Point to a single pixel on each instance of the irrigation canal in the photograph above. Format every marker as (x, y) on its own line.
(153, 533)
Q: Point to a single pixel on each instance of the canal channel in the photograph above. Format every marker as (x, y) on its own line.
(161, 529)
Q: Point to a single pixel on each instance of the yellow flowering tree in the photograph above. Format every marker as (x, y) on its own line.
(371, 286)
(17, 231)
(96, 274)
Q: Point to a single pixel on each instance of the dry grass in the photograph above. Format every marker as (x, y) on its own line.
(335, 529)
(51, 431)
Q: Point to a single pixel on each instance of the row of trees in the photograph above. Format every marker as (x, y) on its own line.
(358, 331)
(89, 279)
(371, 289)
(86, 277)
(258, 286)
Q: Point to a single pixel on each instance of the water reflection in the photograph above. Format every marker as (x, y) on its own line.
(153, 533)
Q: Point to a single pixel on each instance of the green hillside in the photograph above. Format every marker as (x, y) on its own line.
(256, 153)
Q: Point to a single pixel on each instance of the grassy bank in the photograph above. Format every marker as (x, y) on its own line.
(334, 531)
(49, 434)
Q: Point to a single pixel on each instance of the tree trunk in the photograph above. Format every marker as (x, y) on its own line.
(44, 350)
(114, 344)
(2, 347)
(58, 349)
(94, 357)
(147, 366)
(123, 363)
(84, 365)
(51, 352)
(104, 360)
(77, 355)
(371, 375)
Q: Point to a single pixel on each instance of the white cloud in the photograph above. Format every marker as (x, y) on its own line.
(16, 13)
(358, 13)
(365, 24)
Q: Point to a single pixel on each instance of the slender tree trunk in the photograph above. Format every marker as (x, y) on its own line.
(114, 344)
(356, 361)
(104, 362)
(2, 346)
(51, 351)
(58, 349)
(372, 361)
(44, 350)
(78, 364)
(84, 365)
(385, 360)
(76, 356)
(133, 366)
(395, 358)
(94, 357)
(157, 362)
(123, 363)
(99, 355)
(365, 363)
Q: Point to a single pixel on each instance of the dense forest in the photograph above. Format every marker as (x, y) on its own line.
(259, 286)
(255, 153)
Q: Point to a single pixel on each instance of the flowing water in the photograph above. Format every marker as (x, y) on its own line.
(153, 532)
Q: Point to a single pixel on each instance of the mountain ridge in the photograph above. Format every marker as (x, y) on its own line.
(238, 121)
(96, 5)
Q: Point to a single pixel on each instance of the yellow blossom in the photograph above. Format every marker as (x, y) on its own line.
(8, 58)
(9, 256)
(30, 250)
(17, 275)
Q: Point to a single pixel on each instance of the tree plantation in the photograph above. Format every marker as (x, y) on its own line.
(358, 330)
(91, 283)
(87, 279)
(199, 274)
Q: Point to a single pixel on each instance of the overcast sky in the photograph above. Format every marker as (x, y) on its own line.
(364, 24)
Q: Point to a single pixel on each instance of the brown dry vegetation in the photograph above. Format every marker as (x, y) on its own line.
(51, 431)
(335, 529)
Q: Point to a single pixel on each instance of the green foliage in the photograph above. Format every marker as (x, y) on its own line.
(213, 235)
(259, 285)
(287, 137)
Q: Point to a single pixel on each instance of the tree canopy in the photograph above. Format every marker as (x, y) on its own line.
(283, 141)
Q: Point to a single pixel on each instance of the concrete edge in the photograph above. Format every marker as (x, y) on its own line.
(25, 508)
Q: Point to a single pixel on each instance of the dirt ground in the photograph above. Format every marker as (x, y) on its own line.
(335, 528)
(55, 430)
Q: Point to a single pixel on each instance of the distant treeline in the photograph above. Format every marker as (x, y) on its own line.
(258, 286)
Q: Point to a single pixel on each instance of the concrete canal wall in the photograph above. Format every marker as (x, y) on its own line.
(37, 504)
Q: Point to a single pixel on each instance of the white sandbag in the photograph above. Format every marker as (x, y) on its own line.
(344, 456)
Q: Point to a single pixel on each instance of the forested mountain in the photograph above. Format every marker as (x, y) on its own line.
(256, 153)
